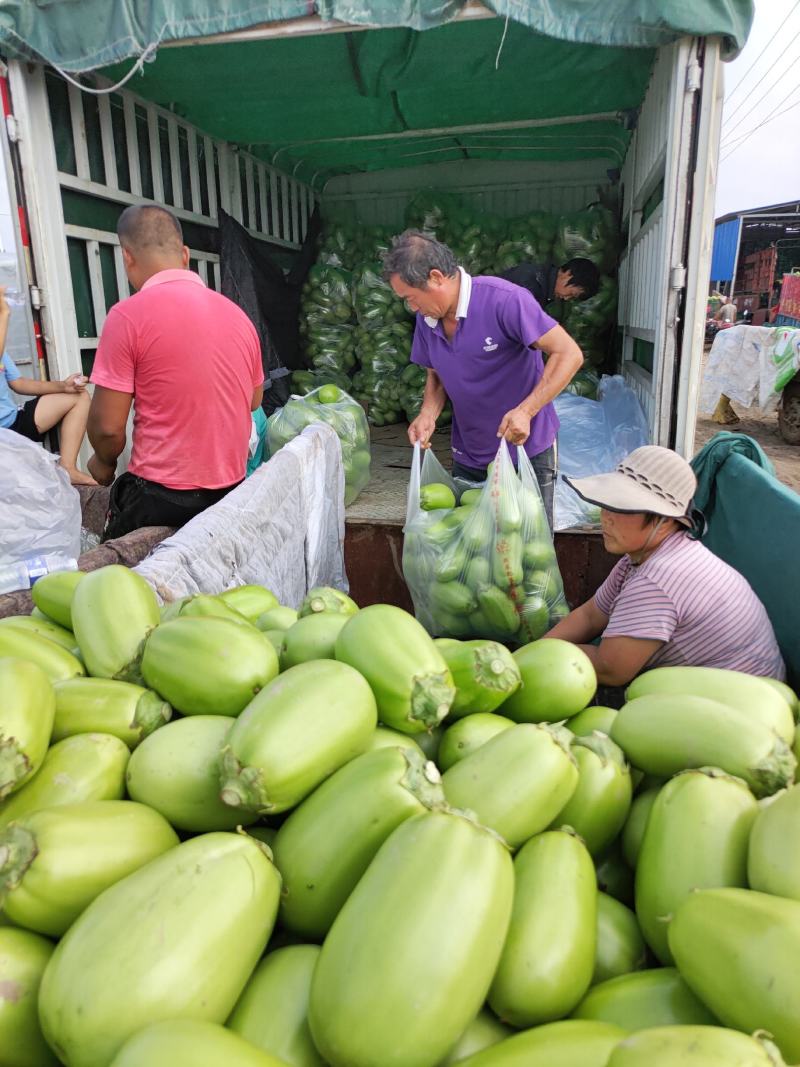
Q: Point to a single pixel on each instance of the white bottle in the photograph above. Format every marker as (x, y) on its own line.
(23, 574)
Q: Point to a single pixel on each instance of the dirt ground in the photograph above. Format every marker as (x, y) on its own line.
(764, 429)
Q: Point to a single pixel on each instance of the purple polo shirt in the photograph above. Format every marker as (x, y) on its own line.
(489, 366)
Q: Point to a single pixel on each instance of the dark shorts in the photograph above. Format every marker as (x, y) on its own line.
(135, 502)
(25, 422)
(544, 465)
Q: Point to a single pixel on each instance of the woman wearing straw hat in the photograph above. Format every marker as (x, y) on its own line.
(669, 601)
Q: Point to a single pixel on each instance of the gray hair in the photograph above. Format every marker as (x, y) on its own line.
(414, 255)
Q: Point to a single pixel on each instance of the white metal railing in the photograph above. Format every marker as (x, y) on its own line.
(275, 208)
(205, 263)
(128, 150)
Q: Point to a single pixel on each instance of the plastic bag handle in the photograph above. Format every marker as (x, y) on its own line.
(412, 500)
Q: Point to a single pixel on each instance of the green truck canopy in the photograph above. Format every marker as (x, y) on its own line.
(553, 81)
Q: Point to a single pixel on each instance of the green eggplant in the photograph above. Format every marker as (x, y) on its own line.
(26, 722)
(272, 1012)
(694, 1046)
(56, 662)
(176, 940)
(548, 959)
(592, 719)
(620, 945)
(208, 666)
(44, 628)
(311, 637)
(52, 594)
(597, 809)
(636, 824)
(113, 611)
(467, 735)
(696, 838)
(737, 949)
(383, 737)
(409, 959)
(773, 858)
(80, 768)
(412, 684)
(753, 696)
(558, 681)
(327, 843)
(484, 1031)
(517, 782)
(642, 999)
(569, 1043)
(103, 705)
(328, 599)
(176, 772)
(484, 672)
(308, 722)
(23, 958)
(190, 1043)
(250, 600)
(666, 733)
(55, 862)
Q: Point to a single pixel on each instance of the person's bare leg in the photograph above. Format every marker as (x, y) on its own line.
(71, 411)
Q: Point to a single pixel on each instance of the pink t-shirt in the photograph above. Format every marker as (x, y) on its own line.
(703, 610)
(192, 359)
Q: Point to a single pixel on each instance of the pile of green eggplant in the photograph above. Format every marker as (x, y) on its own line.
(240, 833)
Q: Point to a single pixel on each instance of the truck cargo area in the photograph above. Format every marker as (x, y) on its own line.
(271, 125)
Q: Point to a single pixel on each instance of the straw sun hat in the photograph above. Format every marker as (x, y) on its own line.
(651, 479)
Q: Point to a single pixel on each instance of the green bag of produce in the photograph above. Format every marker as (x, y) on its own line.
(528, 239)
(590, 322)
(344, 415)
(382, 384)
(303, 381)
(589, 234)
(374, 301)
(485, 568)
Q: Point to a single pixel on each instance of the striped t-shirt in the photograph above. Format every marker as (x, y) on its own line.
(703, 610)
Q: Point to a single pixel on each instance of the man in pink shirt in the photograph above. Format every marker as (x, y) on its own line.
(190, 359)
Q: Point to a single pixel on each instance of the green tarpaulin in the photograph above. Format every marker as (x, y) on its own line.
(754, 524)
(338, 103)
(551, 80)
(86, 34)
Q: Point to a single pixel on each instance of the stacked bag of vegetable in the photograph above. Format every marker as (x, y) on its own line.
(485, 568)
(427, 823)
(591, 322)
(345, 416)
(383, 346)
(528, 239)
(589, 234)
(326, 313)
(483, 243)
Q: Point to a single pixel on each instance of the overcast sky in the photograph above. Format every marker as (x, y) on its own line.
(763, 167)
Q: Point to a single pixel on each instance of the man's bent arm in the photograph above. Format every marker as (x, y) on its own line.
(258, 396)
(434, 396)
(108, 418)
(564, 360)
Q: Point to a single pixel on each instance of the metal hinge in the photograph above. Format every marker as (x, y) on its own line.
(677, 277)
(37, 297)
(694, 76)
(12, 127)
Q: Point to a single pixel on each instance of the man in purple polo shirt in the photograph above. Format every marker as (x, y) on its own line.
(482, 341)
